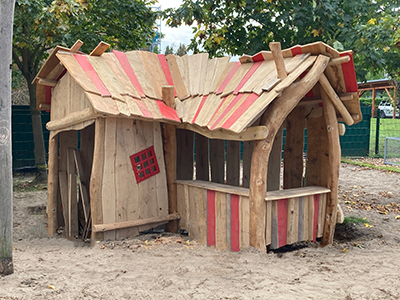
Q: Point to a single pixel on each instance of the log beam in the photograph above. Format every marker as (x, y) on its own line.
(72, 119)
(278, 58)
(339, 60)
(52, 185)
(273, 118)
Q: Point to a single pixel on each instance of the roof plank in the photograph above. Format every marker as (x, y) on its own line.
(179, 84)
(154, 71)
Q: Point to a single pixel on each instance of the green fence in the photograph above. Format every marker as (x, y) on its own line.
(22, 137)
(381, 129)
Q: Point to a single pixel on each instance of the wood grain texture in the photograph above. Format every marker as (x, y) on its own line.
(72, 195)
(217, 159)
(154, 72)
(233, 163)
(180, 87)
(52, 185)
(185, 147)
(202, 169)
(181, 206)
(274, 163)
(244, 209)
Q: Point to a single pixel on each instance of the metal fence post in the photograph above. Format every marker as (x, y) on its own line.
(378, 118)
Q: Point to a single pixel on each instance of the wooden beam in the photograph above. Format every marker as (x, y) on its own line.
(170, 156)
(250, 134)
(339, 60)
(127, 224)
(52, 185)
(334, 166)
(336, 100)
(96, 180)
(72, 119)
(75, 47)
(100, 49)
(278, 58)
(342, 129)
(273, 118)
(48, 82)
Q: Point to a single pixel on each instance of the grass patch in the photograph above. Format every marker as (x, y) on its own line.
(387, 128)
(355, 220)
(21, 187)
(368, 165)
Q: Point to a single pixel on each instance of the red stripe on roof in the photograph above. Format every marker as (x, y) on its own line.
(219, 106)
(123, 60)
(282, 222)
(240, 110)
(258, 57)
(90, 71)
(166, 70)
(228, 78)
(316, 212)
(221, 116)
(143, 108)
(199, 109)
(235, 223)
(210, 218)
(296, 50)
(247, 76)
(166, 111)
(349, 74)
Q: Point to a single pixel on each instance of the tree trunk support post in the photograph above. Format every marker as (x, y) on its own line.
(170, 151)
(52, 185)
(273, 118)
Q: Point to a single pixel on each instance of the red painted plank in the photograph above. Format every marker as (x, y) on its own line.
(247, 76)
(164, 65)
(258, 57)
(90, 71)
(167, 112)
(123, 60)
(210, 218)
(143, 108)
(296, 50)
(199, 108)
(229, 107)
(235, 223)
(219, 106)
(349, 74)
(316, 210)
(240, 110)
(282, 222)
(228, 78)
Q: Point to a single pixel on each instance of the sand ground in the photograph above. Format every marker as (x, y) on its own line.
(363, 262)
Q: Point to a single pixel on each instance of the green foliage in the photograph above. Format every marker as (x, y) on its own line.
(369, 28)
(169, 50)
(181, 50)
(355, 220)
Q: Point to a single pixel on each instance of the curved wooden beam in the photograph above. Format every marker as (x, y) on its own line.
(273, 119)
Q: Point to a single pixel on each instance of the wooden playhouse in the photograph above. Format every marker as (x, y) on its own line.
(161, 138)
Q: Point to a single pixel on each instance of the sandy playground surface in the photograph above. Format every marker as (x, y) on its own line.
(363, 262)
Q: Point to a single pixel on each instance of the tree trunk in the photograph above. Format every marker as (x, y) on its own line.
(38, 140)
(6, 224)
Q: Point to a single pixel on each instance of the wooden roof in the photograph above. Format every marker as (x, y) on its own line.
(211, 93)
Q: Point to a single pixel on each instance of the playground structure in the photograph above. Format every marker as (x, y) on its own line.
(141, 117)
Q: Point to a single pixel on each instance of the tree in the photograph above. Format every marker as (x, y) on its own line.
(41, 24)
(6, 224)
(181, 50)
(368, 27)
(169, 50)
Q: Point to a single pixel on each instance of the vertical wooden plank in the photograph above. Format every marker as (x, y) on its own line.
(321, 214)
(161, 179)
(282, 207)
(193, 232)
(202, 170)
(274, 163)
(97, 177)
(274, 225)
(268, 222)
(244, 208)
(235, 223)
(217, 160)
(185, 143)
(87, 147)
(247, 154)
(293, 153)
(228, 220)
(83, 192)
(72, 195)
(220, 220)
(201, 215)
(315, 217)
(301, 220)
(63, 183)
(316, 150)
(181, 205)
(311, 208)
(233, 163)
(126, 190)
(210, 218)
(305, 219)
(291, 222)
(109, 178)
(52, 185)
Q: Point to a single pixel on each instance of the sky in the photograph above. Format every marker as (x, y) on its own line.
(174, 36)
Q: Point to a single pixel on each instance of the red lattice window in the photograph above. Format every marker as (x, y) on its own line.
(144, 164)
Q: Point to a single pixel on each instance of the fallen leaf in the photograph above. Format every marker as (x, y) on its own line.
(367, 225)
(51, 287)
(397, 217)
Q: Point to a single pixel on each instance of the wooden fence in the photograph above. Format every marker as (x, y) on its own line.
(219, 215)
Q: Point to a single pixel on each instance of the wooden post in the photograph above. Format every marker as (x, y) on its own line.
(52, 185)
(373, 103)
(334, 166)
(169, 134)
(278, 58)
(6, 182)
(294, 144)
(96, 180)
(202, 170)
(273, 118)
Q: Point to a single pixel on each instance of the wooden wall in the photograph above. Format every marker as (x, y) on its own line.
(219, 215)
(123, 199)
